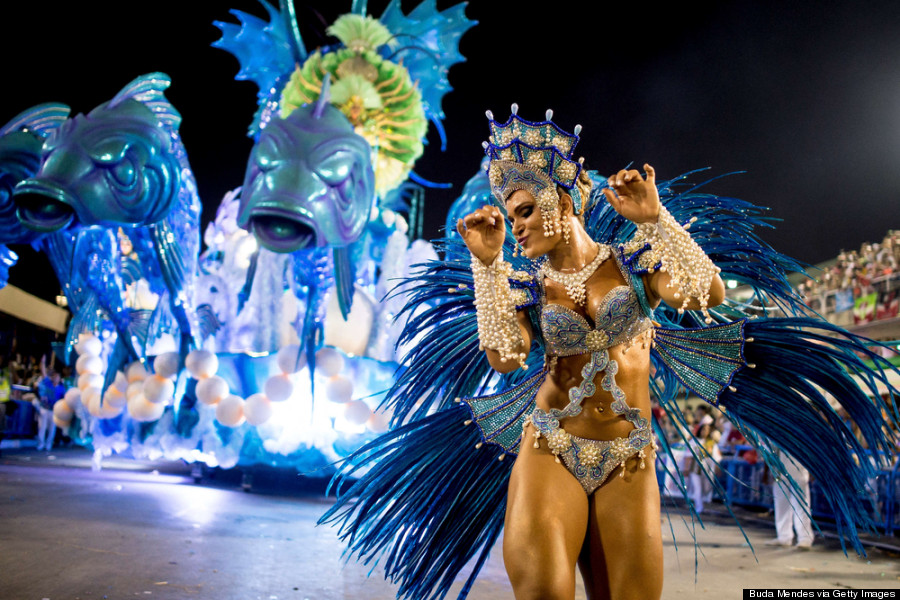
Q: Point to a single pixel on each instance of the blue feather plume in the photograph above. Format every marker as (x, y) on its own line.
(445, 362)
(429, 503)
(782, 402)
(724, 228)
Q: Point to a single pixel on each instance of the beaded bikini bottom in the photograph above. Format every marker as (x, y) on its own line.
(592, 461)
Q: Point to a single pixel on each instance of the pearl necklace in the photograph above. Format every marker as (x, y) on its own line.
(574, 282)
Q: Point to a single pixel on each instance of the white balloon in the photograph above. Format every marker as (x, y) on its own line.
(379, 422)
(257, 409)
(279, 388)
(72, 397)
(93, 364)
(135, 372)
(90, 397)
(158, 389)
(114, 397)
(134, 389)
(108, 410)
(290, 359)
(90, 345)
(357, 412)
(329, 361)
(64, 425)
(79, 345)
(81, 362)
(211, 390)
(121, 381)
(89, 380)
(63, 412)
(166, 365)
(142, 410)
(339, 389)
(201, 364)
(230, 411)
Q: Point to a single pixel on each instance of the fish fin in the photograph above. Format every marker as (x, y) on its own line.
(343, 280)
(206, 317)
(41, 119)
(262, 48)
(149, 90)
(121, 355)
(88, 319)
(427, 42)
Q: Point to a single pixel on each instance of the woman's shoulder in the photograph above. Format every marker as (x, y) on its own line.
(637, 257)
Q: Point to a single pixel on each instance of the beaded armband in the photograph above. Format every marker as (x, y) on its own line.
(690, 270)
(495, 309)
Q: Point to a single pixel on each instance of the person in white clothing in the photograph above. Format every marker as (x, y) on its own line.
(792, 512)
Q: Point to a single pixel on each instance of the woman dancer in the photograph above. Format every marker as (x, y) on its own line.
(558, 512)
(575, 334)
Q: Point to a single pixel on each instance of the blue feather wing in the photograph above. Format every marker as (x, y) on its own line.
(797, 369)
(445, 361)
(428, 504)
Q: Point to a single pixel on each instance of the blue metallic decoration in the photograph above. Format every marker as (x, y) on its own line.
(20, 151)
(309, 182)
(120, 164)
(427, 41)
(475, 194)
(8, 259)
(123, 165)
(264, 49)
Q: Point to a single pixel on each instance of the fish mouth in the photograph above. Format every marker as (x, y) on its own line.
(281, 230)
(43, 206)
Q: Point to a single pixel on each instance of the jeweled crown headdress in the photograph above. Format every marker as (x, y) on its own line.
(534, 156)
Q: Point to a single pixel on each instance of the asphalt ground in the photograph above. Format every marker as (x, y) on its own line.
(143, 529)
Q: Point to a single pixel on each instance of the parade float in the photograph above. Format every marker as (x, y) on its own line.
(275, 343)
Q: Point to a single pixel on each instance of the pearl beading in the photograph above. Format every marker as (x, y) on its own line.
(574, 282)
(592, 461)
(495, 309)
(691, 272)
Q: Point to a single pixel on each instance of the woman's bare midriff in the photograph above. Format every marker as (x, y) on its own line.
(596, 420)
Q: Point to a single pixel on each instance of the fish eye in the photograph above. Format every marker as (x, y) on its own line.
(109, 151)
(336, 168)
(125, 172)
(266, 154)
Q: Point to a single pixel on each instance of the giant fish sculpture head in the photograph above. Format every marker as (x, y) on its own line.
(20, 157)
(309, 181)
(119, 164)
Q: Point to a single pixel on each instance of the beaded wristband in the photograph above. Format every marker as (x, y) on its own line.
(691, 272)
(495, 309)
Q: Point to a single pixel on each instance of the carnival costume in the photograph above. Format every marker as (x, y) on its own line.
(431, 494)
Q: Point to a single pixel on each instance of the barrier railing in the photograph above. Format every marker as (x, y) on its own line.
(744, 485)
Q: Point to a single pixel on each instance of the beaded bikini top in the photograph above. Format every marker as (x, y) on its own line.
(619, 318)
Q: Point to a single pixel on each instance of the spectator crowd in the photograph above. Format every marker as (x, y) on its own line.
(860, 286)
(29, 388)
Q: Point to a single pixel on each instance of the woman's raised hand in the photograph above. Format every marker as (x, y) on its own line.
(634, 197)
(483, 231)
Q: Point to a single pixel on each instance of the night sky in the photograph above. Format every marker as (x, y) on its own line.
(803, 98)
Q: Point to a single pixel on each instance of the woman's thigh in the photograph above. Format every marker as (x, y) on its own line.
(546, 520)
(622, 557)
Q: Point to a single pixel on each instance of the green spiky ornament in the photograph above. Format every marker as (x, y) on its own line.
(376, 95)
